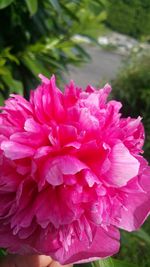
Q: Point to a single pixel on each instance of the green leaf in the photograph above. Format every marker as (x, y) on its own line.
(6, 53)
(5, 3)
(119, 263)
(32, 6)
(106, 263)
(70, 13)
(2, 251)
(110, 262)
(2, 62)
(143, 235)
(34, 65)
(103, 263)
(14, 86)
(56, 5)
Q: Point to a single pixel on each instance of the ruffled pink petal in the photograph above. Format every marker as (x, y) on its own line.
(123, 166)
(104, 244)
(137, 205)
(135, 212)
(54, 169)
(14, 150)
(71, 173)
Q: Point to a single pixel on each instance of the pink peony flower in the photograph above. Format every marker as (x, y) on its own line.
(71, 173)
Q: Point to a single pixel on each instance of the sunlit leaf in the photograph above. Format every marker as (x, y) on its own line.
(4, 70)
(106, 263)
(121, 263)
(5, 3)
(32, 6)
(70, 13)
(110, 262)
(2, 62)
(35, 66)
(6, 53)
(14, 86)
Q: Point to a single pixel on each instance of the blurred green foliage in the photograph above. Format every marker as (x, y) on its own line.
(37, 37)
(135, 246)
(130, 17)
(132, 88)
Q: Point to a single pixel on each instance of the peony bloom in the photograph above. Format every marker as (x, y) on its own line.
(71, 173)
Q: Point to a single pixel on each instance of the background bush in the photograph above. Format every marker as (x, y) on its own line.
(131, 17)
(37, 37)
(132, 88)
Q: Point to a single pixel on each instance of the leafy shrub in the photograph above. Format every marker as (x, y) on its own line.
(37, 38)
(132, 87)
(130, 17)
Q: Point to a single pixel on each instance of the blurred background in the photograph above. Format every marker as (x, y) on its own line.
(90, 41)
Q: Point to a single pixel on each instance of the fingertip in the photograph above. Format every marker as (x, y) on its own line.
(57, 264)
(44, 261)
(33, 261)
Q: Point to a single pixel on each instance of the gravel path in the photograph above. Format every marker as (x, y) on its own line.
(103, 67)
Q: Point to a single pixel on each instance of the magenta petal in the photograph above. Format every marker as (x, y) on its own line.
(136, 206)
(71, 173)
(67, 134)
(104, 244)
(144, 179)
(14, 150)
(32, 139)
(56, 99)
(88, 121)
(7, 239)
(135, 212)
(63, 165)
(123, 166)
(32, 126)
